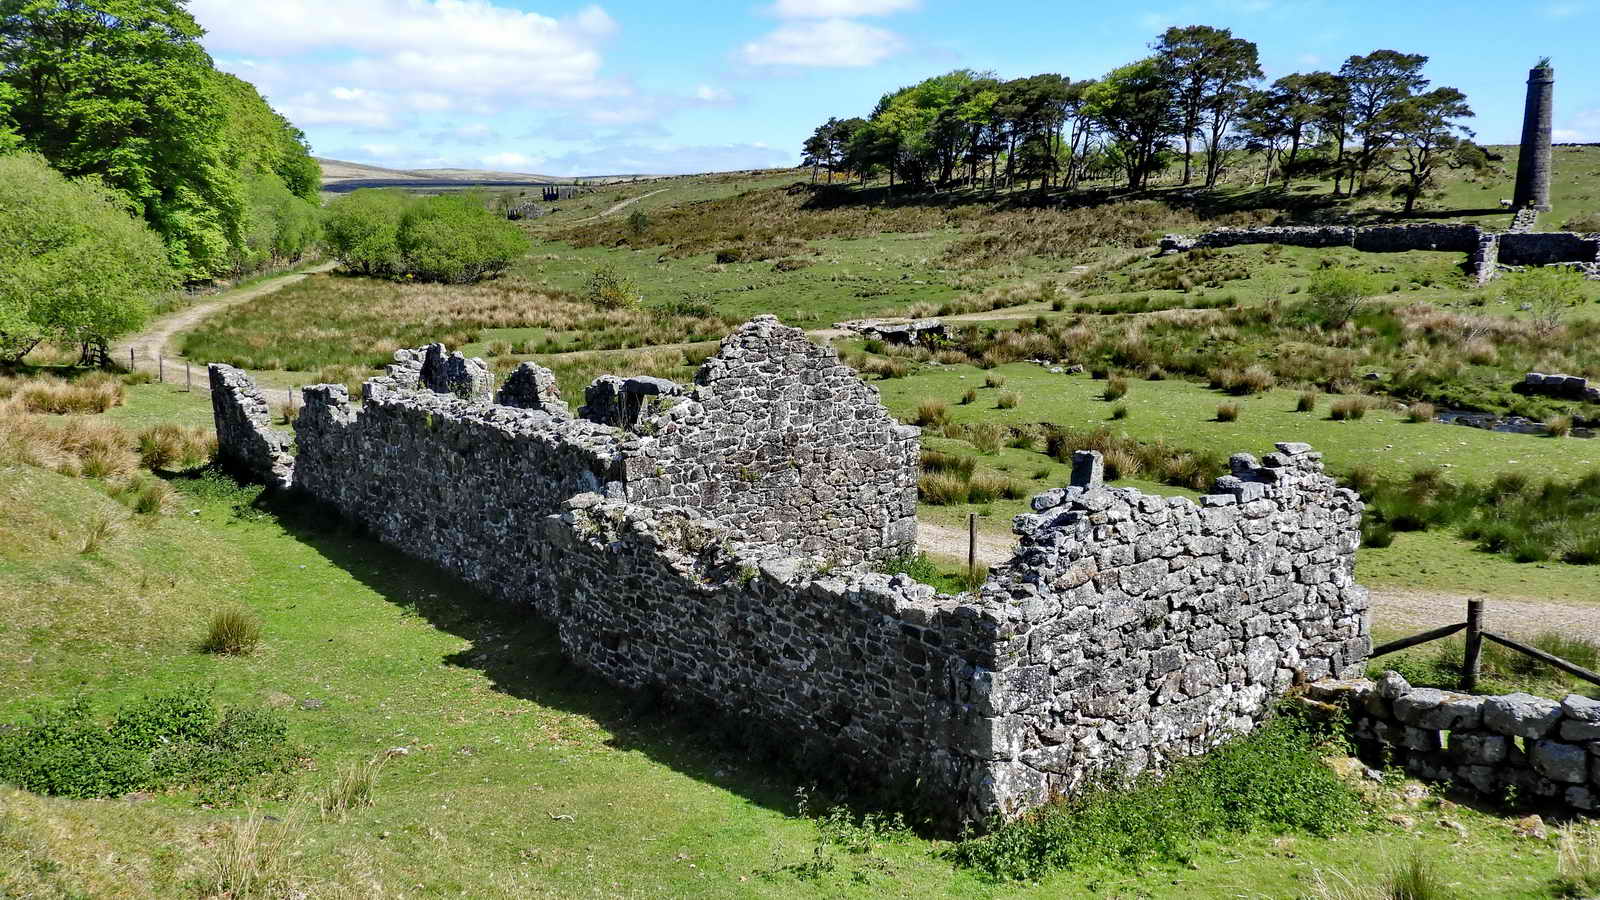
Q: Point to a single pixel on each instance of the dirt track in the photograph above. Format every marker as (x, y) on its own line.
(150, 347)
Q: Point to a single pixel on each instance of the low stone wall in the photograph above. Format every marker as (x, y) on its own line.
(1487, 250)
(1563, 387)
(1128, 630)
(1489, 746)
(1546, 248)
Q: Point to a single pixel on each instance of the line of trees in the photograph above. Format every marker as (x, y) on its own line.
(1198, 98)
(122, 91)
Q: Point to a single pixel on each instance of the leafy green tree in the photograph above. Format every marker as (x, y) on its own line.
(361, 229)
(1134, 105)
(1209, 70)
(1426, 134)
(122, 89)
(279, 226)
(260, 141)
(1376, 83)
(75, 264)
(9, 139)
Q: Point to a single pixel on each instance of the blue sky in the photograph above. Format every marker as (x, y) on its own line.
(635, 86)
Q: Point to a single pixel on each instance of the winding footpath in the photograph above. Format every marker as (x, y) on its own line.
(151, 346)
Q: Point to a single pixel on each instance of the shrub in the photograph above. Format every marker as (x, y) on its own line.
(1007, 400)
(1307, 402)
(932, 413)
(1228, 412)
(1120, 411)
(234, 632)
(158, 741)
(362, 230)
(1375, 534)
(1558, 426)
(1337, 295)
(1547, 294)
(607, 288)
(1420, 412)
(455, 239)
(1272, 780)
(1116, 387)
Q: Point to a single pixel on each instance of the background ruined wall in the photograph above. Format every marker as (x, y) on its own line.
(787, 444)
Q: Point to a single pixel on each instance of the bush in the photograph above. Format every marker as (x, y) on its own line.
(455, 239)
(158, 741)
(607, 288)
(1271, 781)
(1116, 387)
(1337, 295)
(1120, 411)
(1547, 294)
(234, 632)
(362, 230)
(1228, 412)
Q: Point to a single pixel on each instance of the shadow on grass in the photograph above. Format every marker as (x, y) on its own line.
(521, 655)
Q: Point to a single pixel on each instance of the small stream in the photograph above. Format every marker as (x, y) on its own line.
(1502, 424)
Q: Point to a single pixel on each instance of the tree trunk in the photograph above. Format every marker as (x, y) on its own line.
(1188, 148)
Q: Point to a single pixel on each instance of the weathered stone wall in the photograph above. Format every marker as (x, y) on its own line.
(1544, 248)
(1128, 629)
(1139, 628)
(246, 443)
(1490, 746)
(782, 441)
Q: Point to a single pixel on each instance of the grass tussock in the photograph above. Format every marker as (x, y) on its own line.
(1501, 669)
(1129, 458)
(255, 858)
(232, 632)
(173, 447)
(94, 392)
(1578, 859)
(1228, 412)
(1420, 412)
(352, 788)
(1351, 408)
(932, 413)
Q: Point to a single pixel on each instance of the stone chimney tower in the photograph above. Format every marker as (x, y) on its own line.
(1533, 166)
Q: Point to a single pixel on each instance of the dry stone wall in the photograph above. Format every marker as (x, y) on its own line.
(1128, 629)
(1487, 251)
(1494, 747)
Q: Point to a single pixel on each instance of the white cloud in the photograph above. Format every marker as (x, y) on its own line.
(635, 159)
(831, 43)
(1584, 127)
(408, 56)
(840, 9)
(508, 162)
(706, 93)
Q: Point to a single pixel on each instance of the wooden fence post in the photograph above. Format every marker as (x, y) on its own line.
(972, 549)
(1469, 666)
(130, 359)
(188, 379)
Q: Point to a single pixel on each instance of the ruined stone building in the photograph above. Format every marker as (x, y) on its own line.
(718, 541)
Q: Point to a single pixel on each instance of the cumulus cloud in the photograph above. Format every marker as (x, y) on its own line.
(706, 93)
(408, 56)
(840, 9)
(830, 43)
(636, 159)
(510, 162)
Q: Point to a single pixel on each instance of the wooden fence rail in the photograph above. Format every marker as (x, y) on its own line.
(1473, 626)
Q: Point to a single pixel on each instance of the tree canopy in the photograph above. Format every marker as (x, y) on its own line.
(122, 90)
(1197, 98)
(75, 263)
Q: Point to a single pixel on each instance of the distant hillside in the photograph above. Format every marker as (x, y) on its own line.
(340, 177)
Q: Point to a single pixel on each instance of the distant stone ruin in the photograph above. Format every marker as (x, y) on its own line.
(1488, 252)
(897, 331)
(718, 542)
